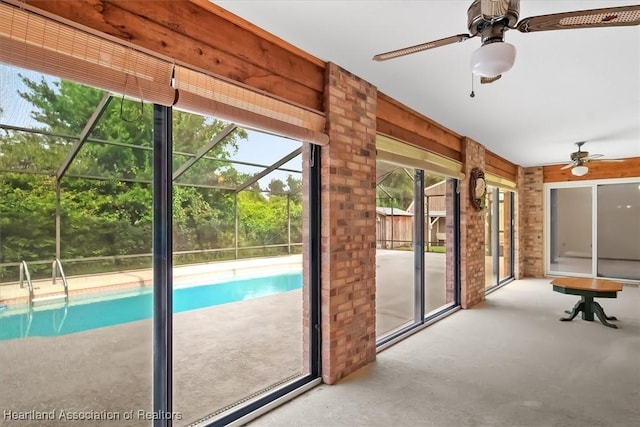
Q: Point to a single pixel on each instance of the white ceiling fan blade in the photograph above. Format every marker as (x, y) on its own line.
(605, 17)
(569, 165)
(420, 47)
(593, 156)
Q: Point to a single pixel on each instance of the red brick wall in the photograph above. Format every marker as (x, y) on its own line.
(472, 236)
(532, 223)
(348, 175)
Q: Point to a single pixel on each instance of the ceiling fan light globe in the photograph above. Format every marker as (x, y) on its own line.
(493, 59)
(580, 170)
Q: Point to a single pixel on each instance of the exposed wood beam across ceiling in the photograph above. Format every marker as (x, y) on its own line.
(204, 36)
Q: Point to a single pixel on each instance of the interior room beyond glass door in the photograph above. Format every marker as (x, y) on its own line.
(619, 231)
(571, 230)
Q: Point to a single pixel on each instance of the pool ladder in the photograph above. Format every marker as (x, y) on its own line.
(56, 270)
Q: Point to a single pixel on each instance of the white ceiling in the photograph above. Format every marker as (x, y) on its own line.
(566, 86)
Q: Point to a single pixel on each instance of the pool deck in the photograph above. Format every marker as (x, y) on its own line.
(221, 354)
(183, 275)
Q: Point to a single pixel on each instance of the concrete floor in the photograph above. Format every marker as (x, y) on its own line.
(507, 363)
(223, 354)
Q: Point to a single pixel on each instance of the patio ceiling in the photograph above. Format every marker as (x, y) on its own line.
(566, 86)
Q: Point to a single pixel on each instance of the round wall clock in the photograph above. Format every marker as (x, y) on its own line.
(477, 188)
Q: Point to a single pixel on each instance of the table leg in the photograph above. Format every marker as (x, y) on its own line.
(587, 313)
(603, 317)
(573, 313)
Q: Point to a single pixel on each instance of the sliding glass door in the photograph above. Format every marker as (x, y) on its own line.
(593, 229)
(416, 216)
(498, 237)
(618, 236)
(570, 230)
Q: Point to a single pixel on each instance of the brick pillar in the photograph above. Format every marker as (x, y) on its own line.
(471, 231)
(348, 175)
(518, 228)
(532, 225)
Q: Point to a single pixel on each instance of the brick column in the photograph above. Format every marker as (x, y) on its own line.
(518, 228)
(348, 175)
(471, 231)
(532, 223)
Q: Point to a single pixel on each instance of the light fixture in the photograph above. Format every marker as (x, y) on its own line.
(493, 59)
(580, 170)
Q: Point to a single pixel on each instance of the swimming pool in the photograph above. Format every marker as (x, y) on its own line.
(95, 311)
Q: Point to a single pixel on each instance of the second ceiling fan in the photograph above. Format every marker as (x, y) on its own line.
(490, 19)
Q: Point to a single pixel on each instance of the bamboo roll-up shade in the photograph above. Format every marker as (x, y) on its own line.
(209, 107)
(498, 181)
(402, 154)
(204, 94)
(40, 44)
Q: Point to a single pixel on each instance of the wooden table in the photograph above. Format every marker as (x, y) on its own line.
(588, 289)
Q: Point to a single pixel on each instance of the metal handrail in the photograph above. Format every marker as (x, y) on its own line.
(120, 257)
(56, 267)
(24, 272)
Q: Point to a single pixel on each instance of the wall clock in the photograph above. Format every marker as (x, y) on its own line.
(477, 188)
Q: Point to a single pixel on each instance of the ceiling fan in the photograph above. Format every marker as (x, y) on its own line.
(490, 19)
(579, 158)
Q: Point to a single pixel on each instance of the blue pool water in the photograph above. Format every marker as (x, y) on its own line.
(84, 314)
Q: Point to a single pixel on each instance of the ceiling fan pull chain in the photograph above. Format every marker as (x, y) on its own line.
(472, 94)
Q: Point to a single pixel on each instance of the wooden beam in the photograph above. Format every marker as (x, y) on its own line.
(629, 168)
(193, 36)
(402, 117)
(500, 166)
(394, 131)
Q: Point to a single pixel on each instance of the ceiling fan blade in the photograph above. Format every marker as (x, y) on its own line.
(608, 160)
(605, 17)
(485, 80)
(420, 47)
(568, 165)
(593, 156)
(494, 9)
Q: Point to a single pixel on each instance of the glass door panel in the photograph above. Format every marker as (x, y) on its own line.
(571, 230)
(439, 215)
(619, 231)
(505, 261)
(395, 277)
(489, 239)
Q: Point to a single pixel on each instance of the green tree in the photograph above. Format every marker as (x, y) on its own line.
(113, 216)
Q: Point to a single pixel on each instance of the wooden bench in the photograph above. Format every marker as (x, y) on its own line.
(588, 289)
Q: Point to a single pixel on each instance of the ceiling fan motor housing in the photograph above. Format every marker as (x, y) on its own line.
(479, 23)
(579, 155)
